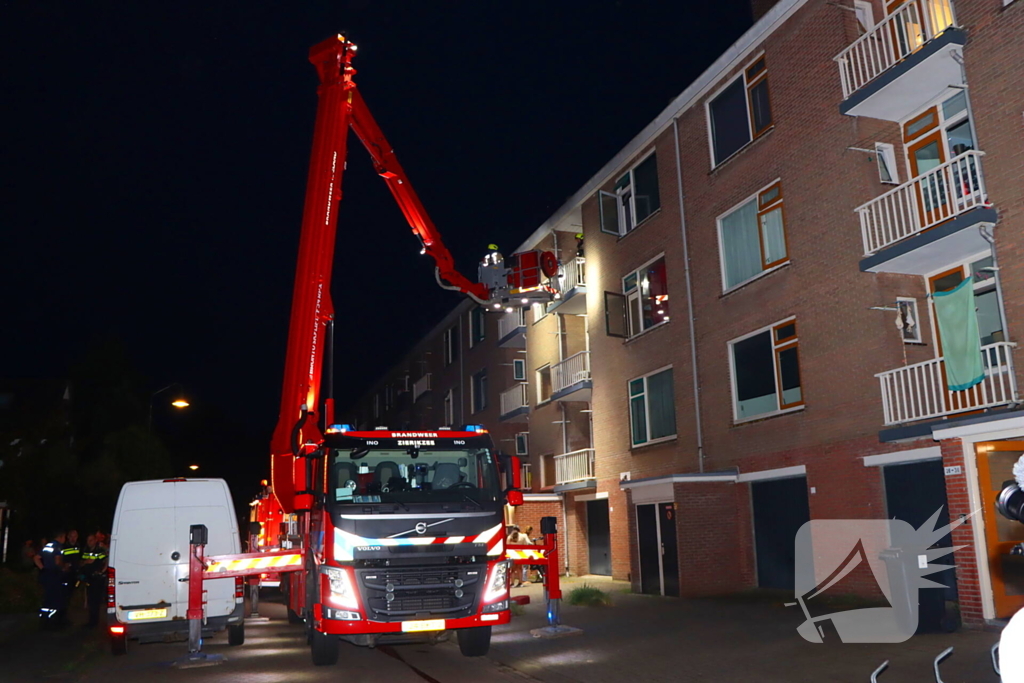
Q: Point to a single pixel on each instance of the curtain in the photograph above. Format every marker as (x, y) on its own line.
(771, 233)
(740, 244)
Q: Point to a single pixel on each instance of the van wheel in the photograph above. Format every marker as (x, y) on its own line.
(119, 644)
(236, 634)
(474, 642)
(323, 648)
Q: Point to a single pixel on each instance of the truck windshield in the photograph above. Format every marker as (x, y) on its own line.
(413, 475)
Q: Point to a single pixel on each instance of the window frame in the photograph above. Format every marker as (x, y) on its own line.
(540, 383)
(481, 396)
(778, 346)
(762, 209)
(477, 326)
(633, 295)
(647, 412)
(749, 83)
(886, 152)
(450, 340)
(616, 195)
(911, 303)
(519, 369)
(526, 443)
(448, 406)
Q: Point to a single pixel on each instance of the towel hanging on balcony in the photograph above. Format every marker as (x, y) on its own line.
(958, 330)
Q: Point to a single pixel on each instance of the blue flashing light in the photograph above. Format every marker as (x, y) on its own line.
(479, 429)
(335, 429)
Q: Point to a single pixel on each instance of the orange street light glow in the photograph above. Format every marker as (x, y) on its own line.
(180, 403)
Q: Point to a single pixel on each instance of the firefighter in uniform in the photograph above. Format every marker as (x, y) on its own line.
(51, 575)
(94, 573)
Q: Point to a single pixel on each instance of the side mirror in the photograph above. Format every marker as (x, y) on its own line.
(514, 497)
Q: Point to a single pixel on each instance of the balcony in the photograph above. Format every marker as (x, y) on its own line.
(512, 329)
(570, 379)
(918, 392)
(571, 284)
(926, 222)
(575, 470)
(515, 403)
(420, 387)
(905, 61)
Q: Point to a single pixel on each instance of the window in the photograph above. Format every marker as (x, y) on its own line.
(543, 383)
(539, 311)
(652, 407)
(479, 391)
(634, 198)
(519, 369)
(522, 443)
(646, 293)
(449, 408)
(477, 326)
(865, 15)
(752, 237)
(766, 371)
(376, 406)
(451, 345)
(615, 314)
(986, 302)
(885, 155)
(907, 320)
(740, 112)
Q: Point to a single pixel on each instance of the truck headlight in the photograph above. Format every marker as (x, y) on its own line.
(497, 584)
(342, 592)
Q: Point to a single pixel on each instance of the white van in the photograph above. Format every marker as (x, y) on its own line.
(147, 598)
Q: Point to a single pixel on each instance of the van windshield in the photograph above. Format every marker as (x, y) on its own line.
(413, 475)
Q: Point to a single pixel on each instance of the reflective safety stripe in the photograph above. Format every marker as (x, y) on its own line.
(70, 551)
(524, 554)
(255, 563)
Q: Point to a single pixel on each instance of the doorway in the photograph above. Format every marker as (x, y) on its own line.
(659, 555)
(913, 492)
(598, 538)
(995, 466)
(780, 509)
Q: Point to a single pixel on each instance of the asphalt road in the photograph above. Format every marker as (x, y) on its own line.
(276, 651)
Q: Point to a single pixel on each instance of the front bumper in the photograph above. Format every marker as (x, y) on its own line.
(363, 626)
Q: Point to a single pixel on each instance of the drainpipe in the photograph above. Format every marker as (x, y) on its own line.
(689, 304)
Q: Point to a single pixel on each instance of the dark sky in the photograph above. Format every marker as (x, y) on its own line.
(154, 165)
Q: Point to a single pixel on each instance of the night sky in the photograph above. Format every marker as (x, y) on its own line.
(155, 161)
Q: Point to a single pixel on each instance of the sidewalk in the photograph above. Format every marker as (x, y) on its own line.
(650, 638)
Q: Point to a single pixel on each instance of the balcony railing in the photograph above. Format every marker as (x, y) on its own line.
(918, 392)
(892, 40)
(572, 274)
(515, 398)
(575, 466)
(526, 476)
(508, 323)
(923, 202)
(420, 387)
(572, 370)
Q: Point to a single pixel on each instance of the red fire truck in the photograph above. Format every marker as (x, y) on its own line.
(401, 533)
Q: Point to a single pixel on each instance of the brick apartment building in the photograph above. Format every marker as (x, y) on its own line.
(746, 337)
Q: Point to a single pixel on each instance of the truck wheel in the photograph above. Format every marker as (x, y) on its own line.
(118, 644)
(236, 634)
(474, 642)
(324, 648)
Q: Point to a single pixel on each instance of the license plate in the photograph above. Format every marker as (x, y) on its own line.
(426, 625)
(138, 614)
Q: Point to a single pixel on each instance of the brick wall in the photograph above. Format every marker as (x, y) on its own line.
(530, 513)
(967, 582)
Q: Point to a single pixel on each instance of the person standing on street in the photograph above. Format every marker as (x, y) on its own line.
(51, 574)
(94, 573)
(72, 555)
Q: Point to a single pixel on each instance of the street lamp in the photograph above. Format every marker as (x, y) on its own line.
(178, 403)
(193, 467)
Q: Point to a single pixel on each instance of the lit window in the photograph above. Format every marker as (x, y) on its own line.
(646, 297)
(766, 371)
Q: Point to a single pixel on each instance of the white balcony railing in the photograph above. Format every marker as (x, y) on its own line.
(575, 466)
(572, 370)
(508, 322)
(572, 274)
(515, 398)
(420, 387)
(923, 202)
(918, 391)
(894, 38)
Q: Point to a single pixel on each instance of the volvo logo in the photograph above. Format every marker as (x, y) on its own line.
(421, 528)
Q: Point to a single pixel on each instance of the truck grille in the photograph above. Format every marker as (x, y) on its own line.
(397, 594)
